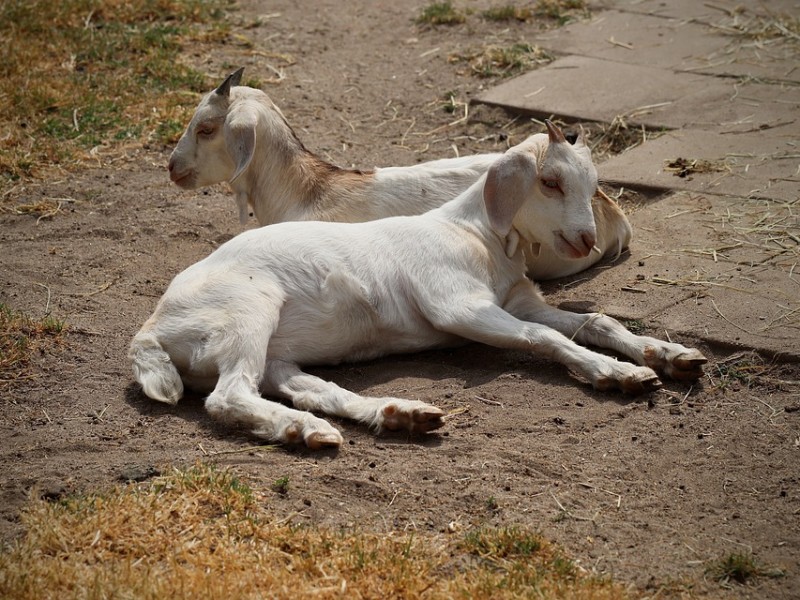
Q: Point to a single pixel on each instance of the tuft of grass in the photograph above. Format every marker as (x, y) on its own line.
(741, 568)
(741, 370)
(504, 61)
(81, 74)
(20, 337)
(440, 13)
(509, 12)
(202, 532)
(281, 484)
(561, 11)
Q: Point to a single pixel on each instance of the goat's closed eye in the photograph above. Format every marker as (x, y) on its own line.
(551, 183)
(206, 130)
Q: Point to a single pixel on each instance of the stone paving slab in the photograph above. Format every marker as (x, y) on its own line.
(584, 88)
(762, 163)
(671, 43)
(705, 12)
(714, 268)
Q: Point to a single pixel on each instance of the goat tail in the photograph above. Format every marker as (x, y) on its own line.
(154, 370)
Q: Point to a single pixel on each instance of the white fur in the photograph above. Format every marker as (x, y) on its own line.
(238, 135)
(242, 321)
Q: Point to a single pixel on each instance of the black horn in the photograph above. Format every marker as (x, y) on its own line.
(234, 78)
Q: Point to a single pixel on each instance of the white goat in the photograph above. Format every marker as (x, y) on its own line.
(243, 320)
(238, 135)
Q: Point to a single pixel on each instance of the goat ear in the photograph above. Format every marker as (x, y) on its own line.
(233, 79)
(555, 134)
(581, 140)
(509, 181)
(240, 138)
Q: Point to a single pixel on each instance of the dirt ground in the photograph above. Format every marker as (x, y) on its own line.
(649, 490)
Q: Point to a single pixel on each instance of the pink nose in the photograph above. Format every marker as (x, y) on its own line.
(589, 240)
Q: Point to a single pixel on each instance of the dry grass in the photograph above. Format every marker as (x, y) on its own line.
(503, 61)
(81, 75)
(203, 533)
(20, 337)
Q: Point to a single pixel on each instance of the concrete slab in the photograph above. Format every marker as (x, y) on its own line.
(760, 163)
(718, 269)
(583, 88)
(706, 12)
(601, 90)
(673, 43)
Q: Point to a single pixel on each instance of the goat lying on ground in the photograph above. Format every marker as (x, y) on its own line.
(238, 135)
(243, 320)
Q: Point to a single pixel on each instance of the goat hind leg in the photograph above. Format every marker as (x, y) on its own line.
(308, 392)
(235, 400)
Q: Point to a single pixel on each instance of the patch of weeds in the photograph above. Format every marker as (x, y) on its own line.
(685, 167)
(491, 504)
(281, 485)
(561, 11)
(79, 74)
(509, 12)
(741, 568)
(741, 370)
(440, 13)
(503, 61)
(505, 542)
(20, 337)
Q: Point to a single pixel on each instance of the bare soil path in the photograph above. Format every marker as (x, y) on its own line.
(648, 490)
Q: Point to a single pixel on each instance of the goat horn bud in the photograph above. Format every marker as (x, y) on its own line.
(233, 79)
(556, 135)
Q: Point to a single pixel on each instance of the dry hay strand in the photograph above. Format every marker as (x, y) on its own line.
(761, 28)
(611, 139)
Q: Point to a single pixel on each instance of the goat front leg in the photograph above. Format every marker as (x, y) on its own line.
(307, 392)
(674, 360)
(481, 320)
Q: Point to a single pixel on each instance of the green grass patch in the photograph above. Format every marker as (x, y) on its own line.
(741, 568)
(203, 533)
(440, 13)
(78, 74)
(20, 337)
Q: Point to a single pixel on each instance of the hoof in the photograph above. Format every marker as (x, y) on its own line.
(421, 419)
(643, 380)
(689, 361)
(641, 384)
(427, 419)
(319, 440)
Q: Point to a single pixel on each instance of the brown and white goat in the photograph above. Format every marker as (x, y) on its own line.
(238, 135)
